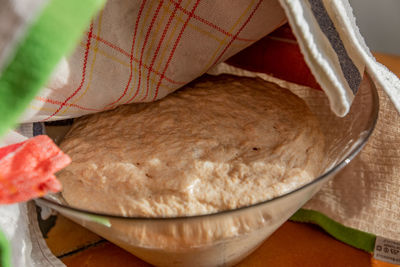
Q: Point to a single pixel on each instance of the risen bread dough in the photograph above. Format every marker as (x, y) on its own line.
(220, 143)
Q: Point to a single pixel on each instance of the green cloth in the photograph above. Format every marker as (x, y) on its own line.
(5, 251)
(350, 236)
(54, 34)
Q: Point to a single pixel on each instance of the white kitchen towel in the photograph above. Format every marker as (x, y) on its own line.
(335, 51)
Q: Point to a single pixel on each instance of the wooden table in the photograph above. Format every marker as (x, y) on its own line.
(309, 245)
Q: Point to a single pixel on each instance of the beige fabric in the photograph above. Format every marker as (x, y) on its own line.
(366, 194)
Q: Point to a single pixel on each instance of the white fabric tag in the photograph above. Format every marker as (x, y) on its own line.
(387, 250)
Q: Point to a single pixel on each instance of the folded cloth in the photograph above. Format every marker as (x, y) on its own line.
(139, 51)
(335, 50)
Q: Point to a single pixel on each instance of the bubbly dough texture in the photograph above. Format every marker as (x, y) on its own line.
(219, 143)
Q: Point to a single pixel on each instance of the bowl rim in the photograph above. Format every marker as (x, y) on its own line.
(348, 157)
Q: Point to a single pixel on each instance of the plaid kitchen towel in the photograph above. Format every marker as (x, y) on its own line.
(139, 51)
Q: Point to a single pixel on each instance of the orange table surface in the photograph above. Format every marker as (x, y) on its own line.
(309, 245)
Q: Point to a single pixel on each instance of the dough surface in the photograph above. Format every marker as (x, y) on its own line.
(219, 143)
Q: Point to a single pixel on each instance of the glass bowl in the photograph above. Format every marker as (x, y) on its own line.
(227, 237)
